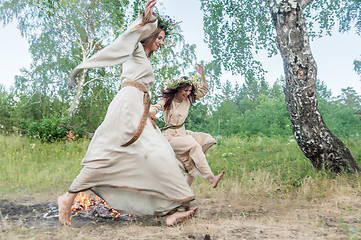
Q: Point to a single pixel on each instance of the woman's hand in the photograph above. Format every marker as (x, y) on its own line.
(200, 70)
(148, 11)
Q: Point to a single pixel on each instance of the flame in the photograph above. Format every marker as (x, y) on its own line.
(85, 202)
(81, 202)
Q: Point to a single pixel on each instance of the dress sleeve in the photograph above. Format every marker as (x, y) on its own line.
(202, 90)
(118, 51)
(157, 107)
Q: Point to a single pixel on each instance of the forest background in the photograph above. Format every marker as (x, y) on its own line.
(38, 103)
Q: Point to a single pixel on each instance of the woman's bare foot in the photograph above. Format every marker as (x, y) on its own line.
(215, 179)
(179, 217)
(64, 205)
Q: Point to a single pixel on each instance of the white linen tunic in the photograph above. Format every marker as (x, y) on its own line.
(189, 147)
(143, 178)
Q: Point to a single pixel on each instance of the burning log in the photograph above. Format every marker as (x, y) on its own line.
(92, 207)
(87, 206)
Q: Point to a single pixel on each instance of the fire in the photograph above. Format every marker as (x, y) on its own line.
(84, 202)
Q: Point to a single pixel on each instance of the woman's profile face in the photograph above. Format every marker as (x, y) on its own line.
(158, 42)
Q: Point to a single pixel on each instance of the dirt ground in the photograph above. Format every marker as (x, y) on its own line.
(217, 218)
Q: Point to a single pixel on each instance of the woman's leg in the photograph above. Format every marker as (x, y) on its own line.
(189, 179)
(179, 217)
(215, 179)
(182, 144)
(65, 202)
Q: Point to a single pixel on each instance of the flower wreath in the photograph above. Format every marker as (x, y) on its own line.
(195, 81)
(167, 24)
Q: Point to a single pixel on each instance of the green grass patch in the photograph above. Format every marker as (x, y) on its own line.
(31, 166)
(259, 165)
(276, 166)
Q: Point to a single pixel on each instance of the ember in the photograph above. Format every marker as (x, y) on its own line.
(85, 205)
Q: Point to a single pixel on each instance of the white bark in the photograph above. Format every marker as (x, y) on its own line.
(305, 3)
(311, 133)
(78, 95)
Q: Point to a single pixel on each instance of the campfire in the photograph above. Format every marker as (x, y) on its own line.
(86, 205)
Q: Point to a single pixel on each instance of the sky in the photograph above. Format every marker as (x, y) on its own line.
(334, 55)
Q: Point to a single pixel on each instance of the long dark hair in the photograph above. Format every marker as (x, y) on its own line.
(169, 93)
(148, 42)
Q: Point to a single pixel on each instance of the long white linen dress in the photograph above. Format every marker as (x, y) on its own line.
(143, 178)
(189, 147)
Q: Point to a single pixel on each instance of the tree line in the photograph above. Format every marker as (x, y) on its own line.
(63, 33)
(251, 109)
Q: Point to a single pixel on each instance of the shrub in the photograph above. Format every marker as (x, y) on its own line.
(52, 129)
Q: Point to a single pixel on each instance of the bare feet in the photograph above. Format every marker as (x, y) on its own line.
(215, 179)
(64, 205)
(179, 217)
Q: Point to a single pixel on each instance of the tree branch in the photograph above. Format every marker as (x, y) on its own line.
(98, 78)
(305, 3)
(66, 23)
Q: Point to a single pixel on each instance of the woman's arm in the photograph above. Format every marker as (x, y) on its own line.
(203, 89)
(200, 70)
(118, 51)
(148, 11)
(155, 108)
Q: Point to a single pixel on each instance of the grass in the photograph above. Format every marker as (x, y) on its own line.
(267, 180)
(29, 166)
(262, 166)
(277, 166)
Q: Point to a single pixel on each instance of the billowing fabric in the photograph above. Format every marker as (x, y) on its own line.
(189, 147)
(143, 178)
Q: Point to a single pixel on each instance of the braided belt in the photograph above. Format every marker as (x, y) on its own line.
(166, 126)
(145, 115)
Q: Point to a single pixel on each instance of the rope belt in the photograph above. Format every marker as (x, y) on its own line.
(166, 126)
(145, 115)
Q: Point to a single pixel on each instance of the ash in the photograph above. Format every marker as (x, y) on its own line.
(46, 215)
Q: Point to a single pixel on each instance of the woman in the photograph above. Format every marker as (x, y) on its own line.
(190, 147)
(129, 163)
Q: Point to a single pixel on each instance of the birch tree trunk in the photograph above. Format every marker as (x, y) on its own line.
(74, 106)
(312, 134)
